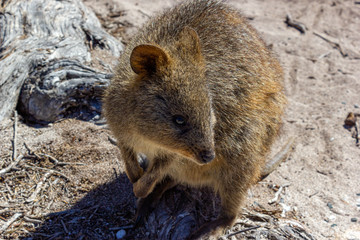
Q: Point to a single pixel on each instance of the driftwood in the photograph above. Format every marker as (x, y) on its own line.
(46, 58)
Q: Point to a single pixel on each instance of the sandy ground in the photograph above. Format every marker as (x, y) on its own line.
(322, 82)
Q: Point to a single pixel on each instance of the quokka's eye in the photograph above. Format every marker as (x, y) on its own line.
(179, 120)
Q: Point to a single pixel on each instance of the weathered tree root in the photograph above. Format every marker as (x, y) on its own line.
(45, 51)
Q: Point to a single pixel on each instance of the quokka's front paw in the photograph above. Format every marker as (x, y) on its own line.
(144, 186)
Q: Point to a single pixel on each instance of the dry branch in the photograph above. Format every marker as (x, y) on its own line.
(9, 222)
(39, 186)
(333, 42)
(46, 169)
(57, 162)
(31, 220)
(11, 166)
(241, 231)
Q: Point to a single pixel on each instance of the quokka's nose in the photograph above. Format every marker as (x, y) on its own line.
(207, 156)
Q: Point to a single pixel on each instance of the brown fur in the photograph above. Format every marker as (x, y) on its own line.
(203, 61)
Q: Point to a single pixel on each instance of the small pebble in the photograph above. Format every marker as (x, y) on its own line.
(344, 103)
(332, 139)
(356, 106)
(120, 234)
(333, 225)
(330, 205)
(353, 219)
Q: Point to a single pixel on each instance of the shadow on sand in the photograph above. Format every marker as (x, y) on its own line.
(111, 207)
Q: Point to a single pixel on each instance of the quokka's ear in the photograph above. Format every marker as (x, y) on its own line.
(148, 59)
(190, 42)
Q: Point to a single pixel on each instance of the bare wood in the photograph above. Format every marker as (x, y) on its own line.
(10, 221)
(259, 216)
(54, 64)
(241, 231)
(11, 166)
(8, 205)
(39, 186)
(46, 169)
(58, 163)
(6, 210)
(28, 219)
(277, 194)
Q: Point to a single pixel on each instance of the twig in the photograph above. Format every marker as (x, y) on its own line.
(58, 163)
(8, 205)
(241, 231)
(259, 217)
(144, 13)
(15, 135)
(64, 226)
(10, 221)
(295, 24)
(123, 227)
(97, 208)
(357, 135)
(8, 188)
(6, 210)
(46, 169)
(112, 140)
(277, 194)
(311, 195)
(39, 186)
(11, 165)
(27, 219)
(51, 158)
(333, 42)
(324, 55)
